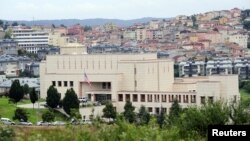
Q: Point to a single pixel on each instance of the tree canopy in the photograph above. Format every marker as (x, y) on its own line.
(33, 96)
(16, 91)
(109, 111)
(143, 116)
(70, 101)
(53, 97)
(129, 113)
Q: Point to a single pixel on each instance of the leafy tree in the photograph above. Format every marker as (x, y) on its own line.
(70, 101)
(239, 115)
(26, 89)
(129, 113)
(87, 28)
(20, 114)
(246, 25)
(7, 35)
(174, 112)
(1, 23)
(33, 96)
(48, 116)
(16, 91)
(195, 119)
(62, 25)
(53, 97)
(161, 119)
(53, 26)
(247, 86)
(75, 113)
(109, 111)
(14, 24)
(143, 115)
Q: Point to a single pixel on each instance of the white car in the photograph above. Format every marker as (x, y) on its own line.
(27, 123)
(43, 123)
(58, 123)
(83, 99)
(7, 121)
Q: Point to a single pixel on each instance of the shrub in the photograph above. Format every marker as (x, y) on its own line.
(20, 114)
(6, 133)
(48, 116)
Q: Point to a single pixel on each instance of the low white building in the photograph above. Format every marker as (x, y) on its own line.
(141, 78)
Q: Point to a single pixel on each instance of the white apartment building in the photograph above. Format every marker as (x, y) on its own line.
(29, 39)
(240, 39)
(141, 78)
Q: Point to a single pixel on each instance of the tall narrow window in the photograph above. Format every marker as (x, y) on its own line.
(54, 83)
(65, 83)
(59, 83)
(71, 83)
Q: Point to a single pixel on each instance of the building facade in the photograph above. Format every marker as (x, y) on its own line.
(29, 39)
(8, 46)
(141, 78)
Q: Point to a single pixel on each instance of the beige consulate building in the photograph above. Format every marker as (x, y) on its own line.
(141, 78)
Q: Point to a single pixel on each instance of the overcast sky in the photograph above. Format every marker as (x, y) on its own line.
(119, 9)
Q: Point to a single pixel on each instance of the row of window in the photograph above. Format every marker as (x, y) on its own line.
(63, 83)
(156, 98)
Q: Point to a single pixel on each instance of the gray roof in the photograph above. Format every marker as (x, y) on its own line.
(32, 82)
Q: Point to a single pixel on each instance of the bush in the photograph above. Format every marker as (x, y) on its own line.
(6, 133)
(20, 114)
(48, 116)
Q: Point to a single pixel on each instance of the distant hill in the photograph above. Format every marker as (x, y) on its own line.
(90, 22)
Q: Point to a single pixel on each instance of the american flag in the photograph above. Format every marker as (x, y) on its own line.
(86, 78)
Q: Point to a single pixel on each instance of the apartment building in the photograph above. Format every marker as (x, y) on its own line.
(192, 68)
(141, 78)
(29, 39)
(240, 39)
(8, 46)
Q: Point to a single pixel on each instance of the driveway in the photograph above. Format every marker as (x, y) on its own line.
(36, 105)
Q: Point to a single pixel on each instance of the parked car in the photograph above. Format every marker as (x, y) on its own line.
(26, 123)
(7, 121)
(83, 99)
(58, 123)
(45, 105)
(43, 123)
(87, 122)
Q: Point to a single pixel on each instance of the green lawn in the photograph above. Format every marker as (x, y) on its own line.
(244, 95)
(7, 110)
(27, 101)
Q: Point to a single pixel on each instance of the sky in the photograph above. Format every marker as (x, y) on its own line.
(111, 9)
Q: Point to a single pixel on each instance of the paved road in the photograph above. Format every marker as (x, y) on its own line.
(36, 105)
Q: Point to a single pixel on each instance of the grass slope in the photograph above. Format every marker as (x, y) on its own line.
(7, 110)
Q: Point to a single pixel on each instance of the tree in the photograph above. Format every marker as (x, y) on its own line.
(33, 96)
(143, 115)
(53, 97)
(53, 26)
(7, 35)
(70, 101)
(109, 111)
(20, 114)
(247, 86)
(239, 115)
(193, 17)
(174, 112)
(14, 24)
(75, 113)
(129, 113)
(1, 23)
(48, 116)
(161, 119)
(26, 89)
(87, 28)
(16, 91)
